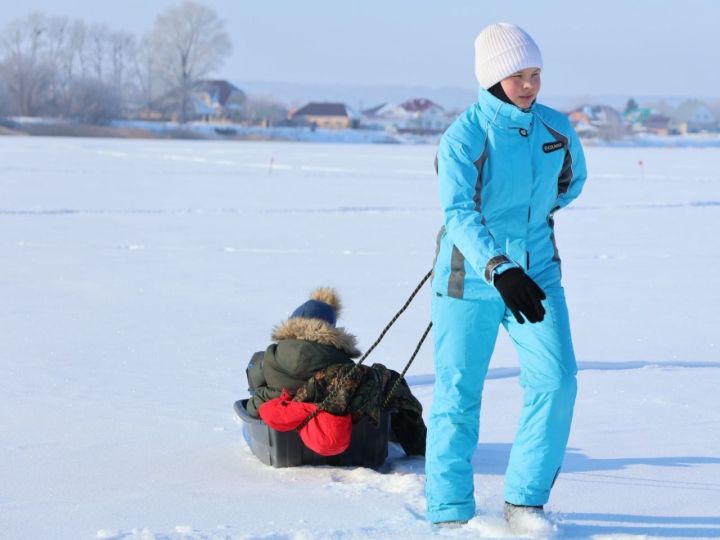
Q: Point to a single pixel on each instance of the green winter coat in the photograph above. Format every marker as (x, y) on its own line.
(303, 347)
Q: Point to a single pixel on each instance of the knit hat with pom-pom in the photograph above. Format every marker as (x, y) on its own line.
(324, 304)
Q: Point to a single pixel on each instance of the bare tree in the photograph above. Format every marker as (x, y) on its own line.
(78, 39)
(68, 47)
(5, 99)
(122, 50)
(57, 37)
(99, 37)
(24, 68)
(190, 42)
(263, 110)
(57, 66)
(95, 101)
(146, 71)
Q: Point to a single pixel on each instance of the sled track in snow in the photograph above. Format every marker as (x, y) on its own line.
(507, 373)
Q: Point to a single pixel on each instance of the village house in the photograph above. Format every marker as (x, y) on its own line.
(600, 121)
(659, 124)
(694, 116)
(645, 120)
(423, 116)
(326, 115)
(419, 116)
(210, 100)
(583, 127)
(381, 117)
(222, 99)
(635, 119)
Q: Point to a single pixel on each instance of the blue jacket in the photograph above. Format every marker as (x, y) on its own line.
(502, 174)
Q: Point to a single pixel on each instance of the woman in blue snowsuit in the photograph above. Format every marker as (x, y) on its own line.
(505, 166)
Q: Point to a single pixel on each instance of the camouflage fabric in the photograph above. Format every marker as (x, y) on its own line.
(363, 391)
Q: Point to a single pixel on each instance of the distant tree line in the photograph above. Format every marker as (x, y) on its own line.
(55, 66)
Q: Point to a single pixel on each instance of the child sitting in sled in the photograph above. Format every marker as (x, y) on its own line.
(311, 358)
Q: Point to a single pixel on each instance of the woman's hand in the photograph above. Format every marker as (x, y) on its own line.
(521, 294)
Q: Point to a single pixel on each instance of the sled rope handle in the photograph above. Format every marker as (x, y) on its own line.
(407, 366)
(367, 353)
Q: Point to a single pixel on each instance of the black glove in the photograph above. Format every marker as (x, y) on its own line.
(521, 295)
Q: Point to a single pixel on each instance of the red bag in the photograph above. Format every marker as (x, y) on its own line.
(283, 414)
(326, 434)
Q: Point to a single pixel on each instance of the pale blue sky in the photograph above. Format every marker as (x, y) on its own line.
(643, 47)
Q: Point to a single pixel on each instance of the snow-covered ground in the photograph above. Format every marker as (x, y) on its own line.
(137, 277)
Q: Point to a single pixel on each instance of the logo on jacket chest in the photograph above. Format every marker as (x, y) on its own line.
(552, 146)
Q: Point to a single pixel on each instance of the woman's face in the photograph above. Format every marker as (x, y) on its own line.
(522, 87)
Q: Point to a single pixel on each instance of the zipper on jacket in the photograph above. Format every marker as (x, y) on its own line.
(527, 253)
(524, 133)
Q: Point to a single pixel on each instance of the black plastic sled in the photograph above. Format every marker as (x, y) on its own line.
(368, 443)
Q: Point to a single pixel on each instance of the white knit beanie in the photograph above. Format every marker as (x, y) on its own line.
(502, 49)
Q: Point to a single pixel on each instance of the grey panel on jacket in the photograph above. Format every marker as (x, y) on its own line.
(456, 283)
(566, 174)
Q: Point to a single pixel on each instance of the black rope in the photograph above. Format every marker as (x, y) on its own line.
(407, 366)
(396, 317)
(332, 393)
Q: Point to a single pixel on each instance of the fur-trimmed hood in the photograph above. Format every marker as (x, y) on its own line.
(317, 331)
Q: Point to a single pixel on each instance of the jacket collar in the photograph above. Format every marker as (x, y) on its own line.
(317, 331)
(504, 114)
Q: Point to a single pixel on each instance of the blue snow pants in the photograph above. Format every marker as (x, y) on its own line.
(465, 332)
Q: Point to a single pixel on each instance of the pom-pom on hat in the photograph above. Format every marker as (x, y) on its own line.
(502, 49)
(324, 304)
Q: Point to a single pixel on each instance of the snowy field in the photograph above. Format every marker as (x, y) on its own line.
(138, 276)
